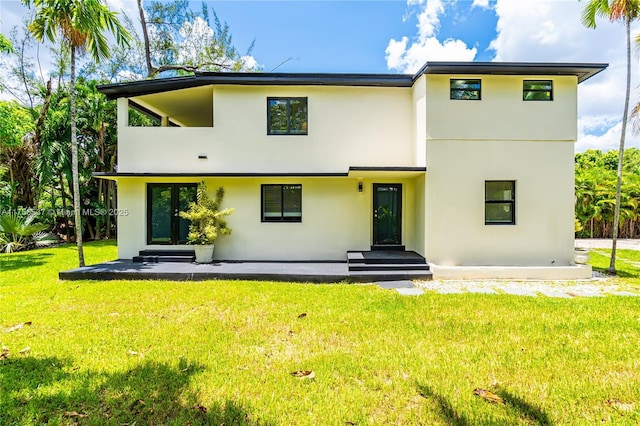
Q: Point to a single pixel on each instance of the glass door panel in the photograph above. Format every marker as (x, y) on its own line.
(164, 203)
(387, 214)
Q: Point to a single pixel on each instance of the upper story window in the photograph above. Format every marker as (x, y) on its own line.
(537, 90)
(500, 202)
(463, 89)
(287, 116)
(281, 203)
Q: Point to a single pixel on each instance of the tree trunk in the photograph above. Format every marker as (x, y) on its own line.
(145, 35)
(63, 195)
(616, 216)
(74, 160)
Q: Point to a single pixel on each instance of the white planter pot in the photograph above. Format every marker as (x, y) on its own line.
(581, 256)
(204, 253)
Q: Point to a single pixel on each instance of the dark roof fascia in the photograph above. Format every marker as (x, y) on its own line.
(583, 71)
(198, 175)
(146, 87)
(386, 169)
(240, 174)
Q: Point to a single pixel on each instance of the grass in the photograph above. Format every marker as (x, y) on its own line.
(157, 352)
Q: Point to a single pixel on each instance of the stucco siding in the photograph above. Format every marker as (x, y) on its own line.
(501, 114)
(346, 127)
(455, 229)
(335, 218)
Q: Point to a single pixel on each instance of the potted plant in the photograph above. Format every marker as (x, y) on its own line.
(207, 222)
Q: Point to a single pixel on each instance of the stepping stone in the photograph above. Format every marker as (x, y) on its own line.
(624, 293)
(586, 293)
(554, 293)
(450, 290)
(410, 291)
(396, 284)
(519, 291)
(481, 290)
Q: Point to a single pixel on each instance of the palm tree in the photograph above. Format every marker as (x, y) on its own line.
(624, 11)
(81, 24)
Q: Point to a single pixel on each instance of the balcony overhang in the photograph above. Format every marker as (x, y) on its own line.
(358, 172)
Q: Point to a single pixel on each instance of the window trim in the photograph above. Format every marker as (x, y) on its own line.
(512, 202)
(288, 99)
(524, 91)
(282, 218)
(453, 90)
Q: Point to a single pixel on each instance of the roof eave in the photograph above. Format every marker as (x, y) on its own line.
(583, 71)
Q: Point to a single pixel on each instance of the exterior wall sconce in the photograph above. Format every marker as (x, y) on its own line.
(360, 187)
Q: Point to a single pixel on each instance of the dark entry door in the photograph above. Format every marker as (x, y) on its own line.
(164, 202)
(387, 214)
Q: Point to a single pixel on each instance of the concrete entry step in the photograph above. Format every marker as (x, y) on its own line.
(375, 276)
(155, 256)
(387, 267)
(385, 257)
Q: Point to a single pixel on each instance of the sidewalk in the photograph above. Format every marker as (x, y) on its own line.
(606, 243)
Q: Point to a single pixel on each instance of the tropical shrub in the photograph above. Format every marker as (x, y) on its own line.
(20, 232)
(207, 220)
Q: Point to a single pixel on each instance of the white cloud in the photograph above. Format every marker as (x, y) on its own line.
(551, 31)
(410, 57)
(483, 4)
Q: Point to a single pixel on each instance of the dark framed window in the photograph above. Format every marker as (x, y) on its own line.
(281, 203)
(463, 89)
(500, 202)
(537, 90)
(287, 116)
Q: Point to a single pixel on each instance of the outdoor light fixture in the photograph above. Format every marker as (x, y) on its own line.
(202, 157)
(359, 186)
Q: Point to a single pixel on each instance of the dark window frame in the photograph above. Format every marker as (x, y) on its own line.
(453, 90)
(525, 91)
(288, 99)
(282, 217)
(512, 202)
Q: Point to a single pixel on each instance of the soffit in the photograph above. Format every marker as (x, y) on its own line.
(191, 107)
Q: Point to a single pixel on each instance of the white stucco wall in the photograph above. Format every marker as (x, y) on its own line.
(455, 230)
(348, 126)
(501, 114)
(335, 218)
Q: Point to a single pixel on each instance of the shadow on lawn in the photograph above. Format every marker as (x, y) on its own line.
(518, 407)
(10, 262)
(52, 390)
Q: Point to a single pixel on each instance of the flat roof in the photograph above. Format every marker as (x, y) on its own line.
(582, 71)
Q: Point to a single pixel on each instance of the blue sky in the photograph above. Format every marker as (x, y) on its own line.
(401, 35)
(341, 36)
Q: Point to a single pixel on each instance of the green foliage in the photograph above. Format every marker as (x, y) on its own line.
(595, 189)
(81, 24)
(182, 41)
(214, 352)
(15, 123)
(207, 220)
(21, 232)
(5, 45)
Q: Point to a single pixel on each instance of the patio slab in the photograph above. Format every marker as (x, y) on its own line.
(263, 271)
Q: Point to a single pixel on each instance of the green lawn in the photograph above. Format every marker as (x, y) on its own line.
(215, 352)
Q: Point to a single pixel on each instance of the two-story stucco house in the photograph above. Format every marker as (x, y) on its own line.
(471, 165)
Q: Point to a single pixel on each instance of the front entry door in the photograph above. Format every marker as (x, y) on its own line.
(387, 214)
(164, 202)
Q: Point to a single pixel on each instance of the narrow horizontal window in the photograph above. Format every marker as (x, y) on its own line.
(465, 89)
(287, 116)
(281, 203)
(499, 202)
(537, 90)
